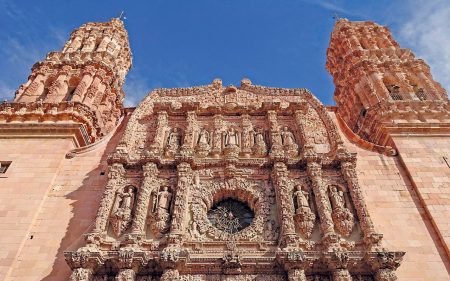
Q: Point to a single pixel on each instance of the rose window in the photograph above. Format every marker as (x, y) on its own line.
(230, 215)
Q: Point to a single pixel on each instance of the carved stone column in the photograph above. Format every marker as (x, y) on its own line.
(84, 84)
(187, 149)
(180, 209)
(314, 169)
(150, 182)
(116, 177)
(276, 149)
(81, 274)
(246, 136)
(161, 127)
(58, 88)
(299, 117)
(34, 90)
(284, 204)
(95, 87)
(348, 169)
(126, 274)
(296, 275)
(217, 137)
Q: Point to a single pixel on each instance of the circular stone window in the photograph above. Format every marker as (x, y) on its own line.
(230, 215)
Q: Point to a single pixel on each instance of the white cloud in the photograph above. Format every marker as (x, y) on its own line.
(6, 91)
(135, 88)
(426, 30)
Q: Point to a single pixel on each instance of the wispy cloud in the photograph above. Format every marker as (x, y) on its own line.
(136, 87)
(28, 44)
(333, 6)
(6, 91)
(426, 30)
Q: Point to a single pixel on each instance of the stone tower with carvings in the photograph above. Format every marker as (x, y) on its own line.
(223, 182)
(82, 84)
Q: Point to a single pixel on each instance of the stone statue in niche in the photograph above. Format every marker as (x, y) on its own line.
(160, 212)
(304, 216)
(288, 140)
(173, 142)
(203, 144)
(231, 142)
(342, 217)
(121, 215)
(231, 138)
(259, 147)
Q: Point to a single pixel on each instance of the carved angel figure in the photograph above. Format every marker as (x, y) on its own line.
(121, 214)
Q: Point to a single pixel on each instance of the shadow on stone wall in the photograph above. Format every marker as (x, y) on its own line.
(86, 201)
(423, 214)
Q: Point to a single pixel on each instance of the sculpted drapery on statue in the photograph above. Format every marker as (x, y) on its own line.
(121, 214)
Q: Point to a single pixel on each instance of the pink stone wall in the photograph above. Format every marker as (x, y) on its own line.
(23, 191)
(423, 157)
(398, 214)
(74, 188)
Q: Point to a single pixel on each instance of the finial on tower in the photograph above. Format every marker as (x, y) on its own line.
(122, 16)
(336, 17)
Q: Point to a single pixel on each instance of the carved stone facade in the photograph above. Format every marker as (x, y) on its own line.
(233, 183)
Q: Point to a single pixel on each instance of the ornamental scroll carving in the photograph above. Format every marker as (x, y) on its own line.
(251, 192)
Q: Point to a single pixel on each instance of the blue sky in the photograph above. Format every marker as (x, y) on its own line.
(187, 43)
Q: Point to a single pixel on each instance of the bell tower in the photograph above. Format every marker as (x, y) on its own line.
(82, 83)
(388, 102)
(381, 88)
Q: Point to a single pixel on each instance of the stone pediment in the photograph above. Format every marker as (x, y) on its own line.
(216, 109)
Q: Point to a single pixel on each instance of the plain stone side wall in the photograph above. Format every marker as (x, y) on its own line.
(23, 191)
(427, 160)
(67, 212)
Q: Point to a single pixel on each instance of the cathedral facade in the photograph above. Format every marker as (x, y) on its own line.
(222, 182)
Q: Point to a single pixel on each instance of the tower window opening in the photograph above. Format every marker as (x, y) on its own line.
(394, 92)
(421, 95)
(70, 94)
